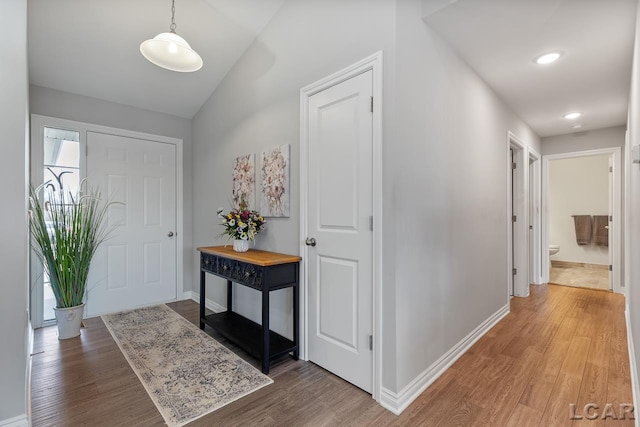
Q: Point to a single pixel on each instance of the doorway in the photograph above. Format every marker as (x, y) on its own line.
(340, 163)
(62, 146)
(136, 265)
(579, 211)
(582, 230)
(518, 260)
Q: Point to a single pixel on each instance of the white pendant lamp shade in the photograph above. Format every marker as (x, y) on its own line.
(170, 51)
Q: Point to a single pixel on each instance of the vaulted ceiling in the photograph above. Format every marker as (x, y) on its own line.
(92, 48)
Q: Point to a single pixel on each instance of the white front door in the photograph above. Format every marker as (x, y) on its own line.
(137, 265)
(339, 214)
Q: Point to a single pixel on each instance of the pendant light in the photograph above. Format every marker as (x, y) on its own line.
(170, 51)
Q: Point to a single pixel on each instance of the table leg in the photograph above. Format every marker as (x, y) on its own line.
(265, 331)
(202, 297)
(229, 296)
(296, 315)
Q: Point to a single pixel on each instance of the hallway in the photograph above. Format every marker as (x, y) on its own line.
(560, 346)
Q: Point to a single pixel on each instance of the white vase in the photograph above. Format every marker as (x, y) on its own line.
(69, 321)
(240, 245)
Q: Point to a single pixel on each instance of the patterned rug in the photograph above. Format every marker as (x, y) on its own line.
(187, 373)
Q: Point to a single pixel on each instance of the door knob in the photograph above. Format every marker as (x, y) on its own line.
(310, 241)
(170, 234)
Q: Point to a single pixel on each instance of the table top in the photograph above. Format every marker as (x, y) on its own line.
(252, 256)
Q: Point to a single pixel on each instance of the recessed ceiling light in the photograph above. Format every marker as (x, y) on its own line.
(548, 58)
(578, 126)
(571, 116)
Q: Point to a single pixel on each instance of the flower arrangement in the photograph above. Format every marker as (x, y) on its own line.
(241, 223)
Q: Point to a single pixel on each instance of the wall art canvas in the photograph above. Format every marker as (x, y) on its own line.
(244, 180)
(274, 170)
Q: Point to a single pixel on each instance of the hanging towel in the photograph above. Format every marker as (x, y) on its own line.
(583, 229)
(601, 230)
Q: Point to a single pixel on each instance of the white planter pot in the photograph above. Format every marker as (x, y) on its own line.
(240, 245)
(69, 321)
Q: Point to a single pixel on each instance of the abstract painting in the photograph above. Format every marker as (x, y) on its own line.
(244, 181)
(274, 169)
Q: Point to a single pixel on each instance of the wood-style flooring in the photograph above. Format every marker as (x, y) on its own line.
(559, 346)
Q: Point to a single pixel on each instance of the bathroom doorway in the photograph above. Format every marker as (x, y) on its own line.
(582, 213)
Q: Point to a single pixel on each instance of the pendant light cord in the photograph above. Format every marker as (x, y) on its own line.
(172, 27)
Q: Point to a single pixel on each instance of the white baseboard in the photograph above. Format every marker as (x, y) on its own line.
(19, 421)
(632, 362)
(398, 402)
(209, 303)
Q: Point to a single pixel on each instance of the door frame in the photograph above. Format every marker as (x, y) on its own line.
(517, 240)
(373, 63)
(614, 226)
(38, 123)
(535, 255)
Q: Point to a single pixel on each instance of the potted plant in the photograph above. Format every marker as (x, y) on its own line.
(66, 231)
(241, 224)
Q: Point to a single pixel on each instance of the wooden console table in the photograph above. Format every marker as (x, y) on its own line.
(260, 270)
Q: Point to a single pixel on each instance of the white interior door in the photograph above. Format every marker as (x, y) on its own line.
(531, 217)
(137, 265)
(339, 219)
(512, 278)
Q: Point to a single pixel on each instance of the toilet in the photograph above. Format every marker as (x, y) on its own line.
(554, 249)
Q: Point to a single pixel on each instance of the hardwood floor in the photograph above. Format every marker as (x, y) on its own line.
(560, 346)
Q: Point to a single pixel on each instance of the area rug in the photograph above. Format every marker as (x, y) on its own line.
(187, 373)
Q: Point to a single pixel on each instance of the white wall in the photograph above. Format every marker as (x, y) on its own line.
(447, 164)
(13, 210)
(577, 186)
(584, 141)
(64, 105)
(633, 209)
(444, 168)
(257, 106)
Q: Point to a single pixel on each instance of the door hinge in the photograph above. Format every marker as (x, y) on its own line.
(610, 267)
(514, 218)
(610, 218)
(514, 271)
(610, 168)
(513, 165)
(531, 227)
(371, 104)
(371, 223)
(371, 342)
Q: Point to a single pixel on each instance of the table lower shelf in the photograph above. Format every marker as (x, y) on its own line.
(248, 334)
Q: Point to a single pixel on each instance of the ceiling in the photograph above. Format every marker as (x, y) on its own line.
(91, 48)
(499, 39)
